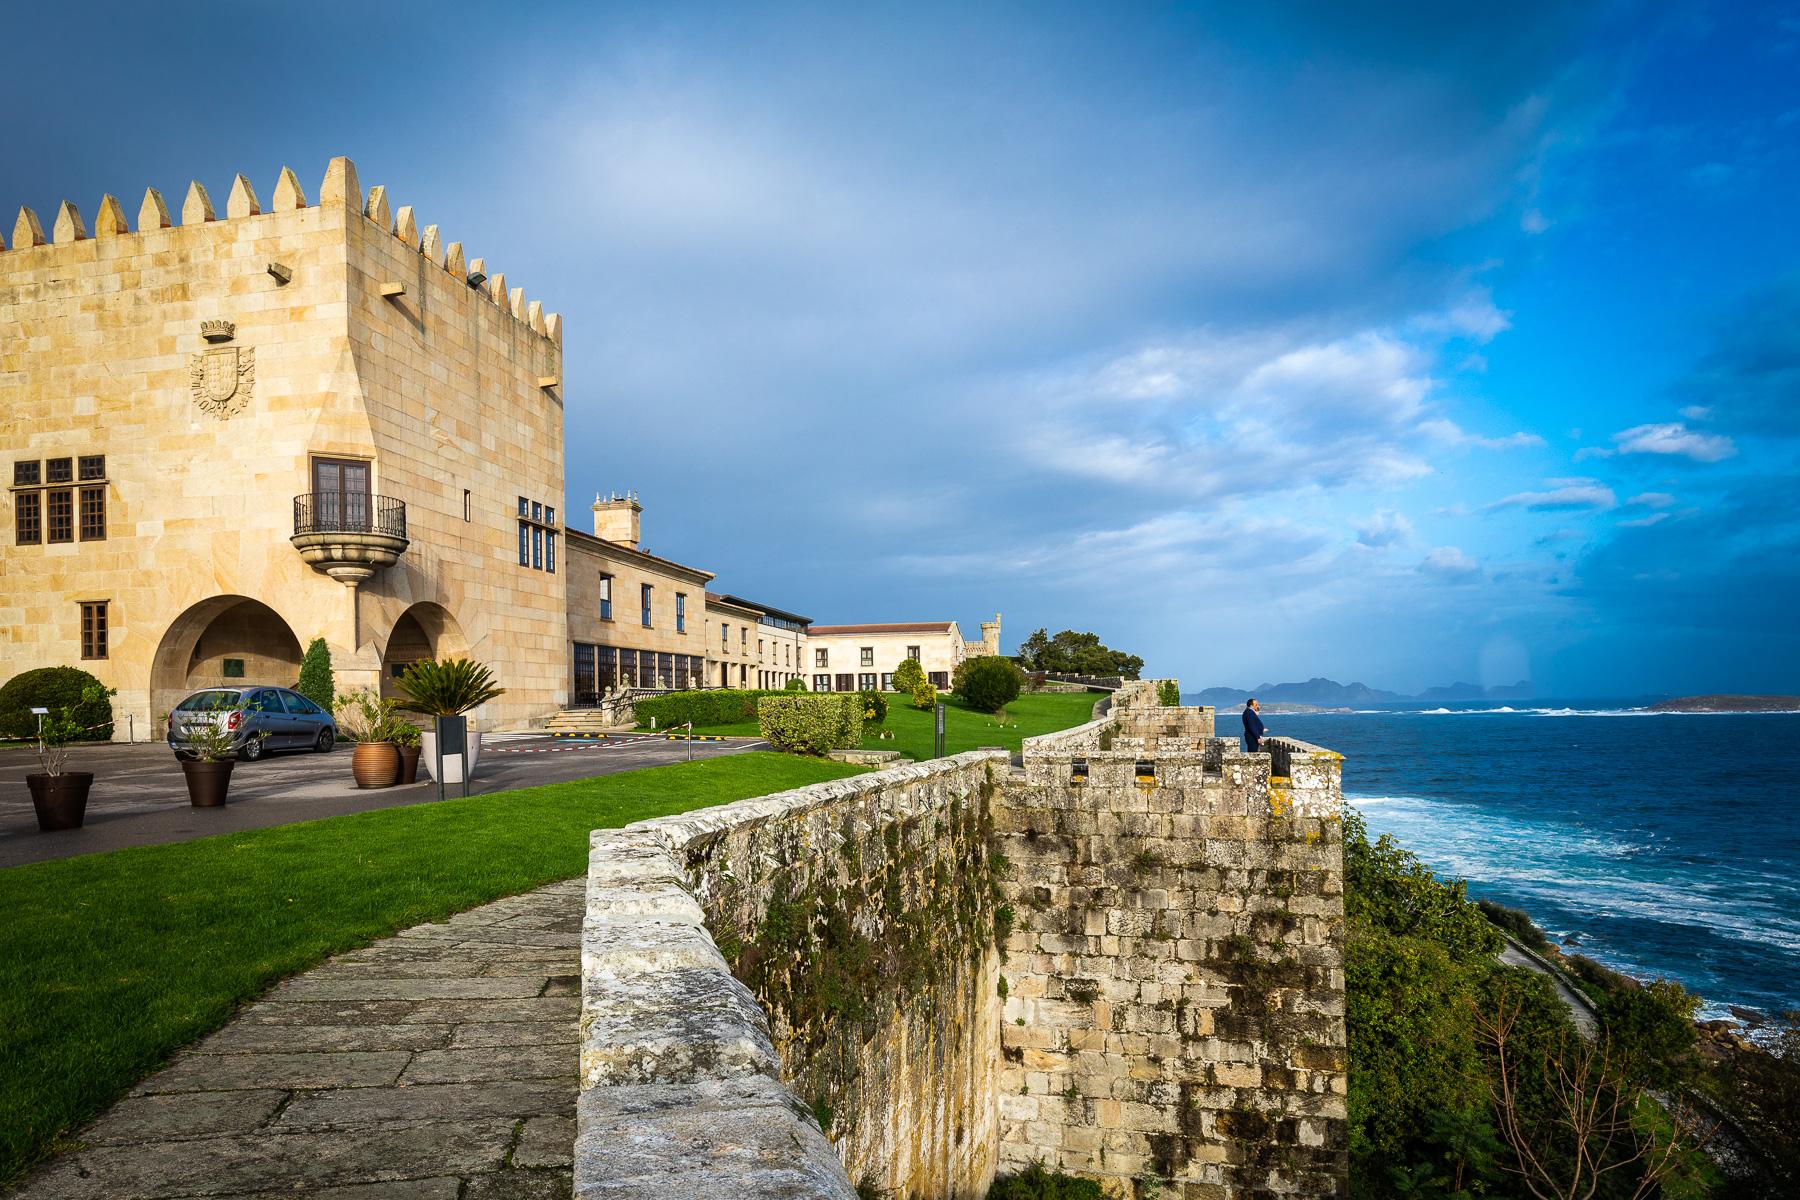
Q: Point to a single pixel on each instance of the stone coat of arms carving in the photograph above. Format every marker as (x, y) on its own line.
(222, 380)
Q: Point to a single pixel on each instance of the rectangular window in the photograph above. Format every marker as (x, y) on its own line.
(550, 551)
(868, 657)
(93, 629)
(724, 636)
(605, 596)
(549, 515)
(821, 683)
(680, 612)
(26, 473)
(912, 652)
(645, 592)
(59, 515)
(537, 511)
(92, 466)
(467, 511)
(845, 682)
(866, 682)
(59, 470)
(93, 514)
(743, 639)
(887, 681)
(759, 649)
(821, 657)
(28, 518)
(537, 548)
(939, 680)
(524, 544)
(524, 507)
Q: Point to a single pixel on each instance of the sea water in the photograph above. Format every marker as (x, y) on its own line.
(1663, 845)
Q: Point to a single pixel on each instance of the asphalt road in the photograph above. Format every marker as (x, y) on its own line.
(140, 797)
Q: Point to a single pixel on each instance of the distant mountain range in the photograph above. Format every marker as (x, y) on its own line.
(1329, 693)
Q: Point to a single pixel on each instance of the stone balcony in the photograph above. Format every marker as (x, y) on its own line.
(347, 535)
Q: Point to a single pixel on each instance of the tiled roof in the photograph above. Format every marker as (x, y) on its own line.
(914, 627)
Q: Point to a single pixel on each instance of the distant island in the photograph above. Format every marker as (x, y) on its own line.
(1319, 693)
(1727, 704)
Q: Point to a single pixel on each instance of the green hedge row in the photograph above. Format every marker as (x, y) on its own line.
(811, 723)
(723, 706)
(57, 689)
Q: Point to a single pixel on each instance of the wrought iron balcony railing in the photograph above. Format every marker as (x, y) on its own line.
(349, 512)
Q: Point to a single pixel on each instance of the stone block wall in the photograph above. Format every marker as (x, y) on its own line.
(819, 957)
(1175, 1022)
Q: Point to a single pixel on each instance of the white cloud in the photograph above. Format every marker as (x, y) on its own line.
(1564, 495)
(1385, 527)
(1450, 432)
(1674, 438)
(1696, 412)
(1449, 562)
(1643, 522)
(1651, 500)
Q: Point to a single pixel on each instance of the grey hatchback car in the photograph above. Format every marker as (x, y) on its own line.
(260, 719)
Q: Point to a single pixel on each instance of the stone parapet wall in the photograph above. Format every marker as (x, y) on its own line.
(1175, 1014)
(860, 916)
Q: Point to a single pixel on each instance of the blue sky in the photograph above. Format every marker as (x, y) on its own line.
(1401, 343)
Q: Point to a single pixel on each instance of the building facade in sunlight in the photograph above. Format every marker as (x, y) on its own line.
(232, 433)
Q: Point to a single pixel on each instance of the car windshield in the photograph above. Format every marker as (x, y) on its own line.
(208, 701)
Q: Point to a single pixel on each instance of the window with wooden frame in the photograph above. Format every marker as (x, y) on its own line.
(59, 515)
(28, 518)
(94, 625)
(93, 514)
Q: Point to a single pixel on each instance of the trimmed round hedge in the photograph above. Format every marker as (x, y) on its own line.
(53, 688)
(990, 683)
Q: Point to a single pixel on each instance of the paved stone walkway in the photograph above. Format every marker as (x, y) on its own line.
(440, 1063)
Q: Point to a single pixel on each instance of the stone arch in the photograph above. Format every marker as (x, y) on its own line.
(424, 630)
(222, 641)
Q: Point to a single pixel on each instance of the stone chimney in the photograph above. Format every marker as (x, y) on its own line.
(616, 518)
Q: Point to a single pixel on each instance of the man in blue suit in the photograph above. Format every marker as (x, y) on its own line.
(1253, 726)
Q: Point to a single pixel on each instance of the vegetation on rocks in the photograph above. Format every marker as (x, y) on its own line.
(1038, 1182)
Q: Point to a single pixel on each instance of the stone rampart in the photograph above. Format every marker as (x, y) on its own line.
(800, 995)
(822, 957)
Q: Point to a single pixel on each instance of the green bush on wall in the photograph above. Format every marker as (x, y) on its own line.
(54, 688)
(717, 706)
(811, 723)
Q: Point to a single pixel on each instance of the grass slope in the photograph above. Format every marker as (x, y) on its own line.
(964, 728)
(110, 962)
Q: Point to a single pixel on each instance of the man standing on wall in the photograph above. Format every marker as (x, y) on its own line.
(1253, 726)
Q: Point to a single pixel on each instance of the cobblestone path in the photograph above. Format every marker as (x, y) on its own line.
(440, 1063)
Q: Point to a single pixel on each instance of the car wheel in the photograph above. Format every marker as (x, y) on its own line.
(326, 740)
(253, 748)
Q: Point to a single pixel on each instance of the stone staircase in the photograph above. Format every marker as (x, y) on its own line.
(584, 721)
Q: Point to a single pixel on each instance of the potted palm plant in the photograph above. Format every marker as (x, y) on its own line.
(448, 689)
(212, 756)
(60, 795)
(407, 738)
(369, 720)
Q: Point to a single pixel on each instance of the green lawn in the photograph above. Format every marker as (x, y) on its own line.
(110, 962)
(964, 728)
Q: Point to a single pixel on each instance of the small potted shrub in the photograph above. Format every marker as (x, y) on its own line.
(208, 771)
(407, 738)
(369, 720)
(60, 795)
(448, 689)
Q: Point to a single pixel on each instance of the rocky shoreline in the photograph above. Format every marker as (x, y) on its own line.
(1726, 704)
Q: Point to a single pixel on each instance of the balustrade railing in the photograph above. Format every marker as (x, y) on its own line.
(349, 512)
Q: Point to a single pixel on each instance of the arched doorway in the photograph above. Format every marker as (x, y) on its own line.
(226, 641)
(424, 631)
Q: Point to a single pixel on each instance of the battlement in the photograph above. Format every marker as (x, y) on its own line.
(339, 189)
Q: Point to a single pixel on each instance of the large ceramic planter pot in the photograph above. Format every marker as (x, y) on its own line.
(409, 764)
(375, 764)
(208, 782)
(453, 764)
(60, 800)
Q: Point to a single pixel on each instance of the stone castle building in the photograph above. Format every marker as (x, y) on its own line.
(231, 433)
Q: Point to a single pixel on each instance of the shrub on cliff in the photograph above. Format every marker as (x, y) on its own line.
(317, 682)
(811, 723)
(57, 689)
(908, 676)
(989, 684)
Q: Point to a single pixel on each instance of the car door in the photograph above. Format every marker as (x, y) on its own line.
(304, 717)
(266, 716)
